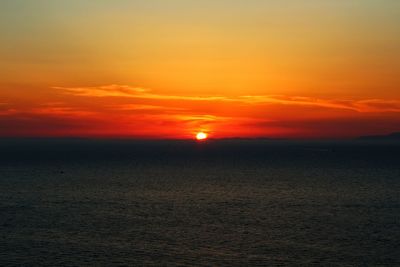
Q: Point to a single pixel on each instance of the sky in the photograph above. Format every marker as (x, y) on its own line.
(171, 68)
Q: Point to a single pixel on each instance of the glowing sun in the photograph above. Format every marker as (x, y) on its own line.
(201, 136)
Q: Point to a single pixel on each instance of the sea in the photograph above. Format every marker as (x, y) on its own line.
(93, 202)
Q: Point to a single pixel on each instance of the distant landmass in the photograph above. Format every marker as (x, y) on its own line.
(392, 136)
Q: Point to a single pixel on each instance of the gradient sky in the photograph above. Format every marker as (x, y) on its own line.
(171, 68)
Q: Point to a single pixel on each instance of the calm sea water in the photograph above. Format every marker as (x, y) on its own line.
(231, 203)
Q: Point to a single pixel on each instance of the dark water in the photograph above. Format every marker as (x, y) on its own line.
(231, 203)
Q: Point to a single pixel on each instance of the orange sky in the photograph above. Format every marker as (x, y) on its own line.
(168, 69)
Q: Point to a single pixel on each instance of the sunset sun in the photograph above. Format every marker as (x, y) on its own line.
(200, 136)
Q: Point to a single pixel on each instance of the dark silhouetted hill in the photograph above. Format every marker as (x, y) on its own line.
(389, 137)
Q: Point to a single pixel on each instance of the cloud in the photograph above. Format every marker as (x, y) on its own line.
(357, 105)
(142, 112)
(42, 125)
(106, 91)
(132, 92)
(4, 105)
(51, 109)
(6, 109)
(378, 105)
(8, 112)
(364, 105)
(332, 127)
(61, 111)
(144, 107)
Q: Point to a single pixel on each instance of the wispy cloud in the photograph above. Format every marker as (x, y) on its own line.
(6, 109)
(141, 112)
(61, 111)
(378, 105)
(3, 105)
(106, 91)
(363, 105)
(144, 107)
(8, 112)
(132, 92)
(358, 105)
(55, 109)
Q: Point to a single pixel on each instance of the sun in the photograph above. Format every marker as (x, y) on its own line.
(201, 136)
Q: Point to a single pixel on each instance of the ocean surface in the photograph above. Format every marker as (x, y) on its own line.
(182, 203)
